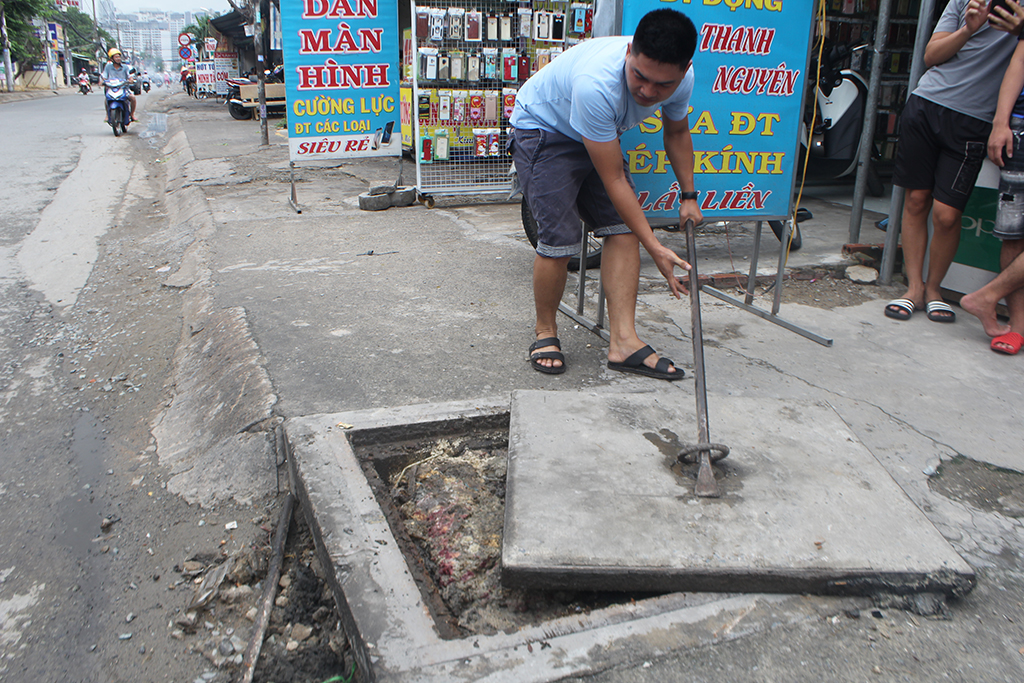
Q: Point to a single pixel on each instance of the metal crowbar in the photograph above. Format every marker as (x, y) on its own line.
(707, 486)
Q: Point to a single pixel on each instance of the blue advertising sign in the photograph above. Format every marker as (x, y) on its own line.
(745, 111)
(341, 78)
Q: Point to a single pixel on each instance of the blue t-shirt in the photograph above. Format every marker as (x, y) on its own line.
(583, 93)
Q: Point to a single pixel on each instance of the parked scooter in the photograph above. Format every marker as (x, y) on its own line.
(119, 113)
(836, 129)
(236, 106)
(234, 99)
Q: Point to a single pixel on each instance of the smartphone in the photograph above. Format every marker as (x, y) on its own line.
(998, 3)
(442, 68)
(389, 128)
(506, 27)
(558, 27)
(492, 27)
(473, 67)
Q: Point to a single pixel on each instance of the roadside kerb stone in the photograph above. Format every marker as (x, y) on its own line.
(392, 633)
(216, 436)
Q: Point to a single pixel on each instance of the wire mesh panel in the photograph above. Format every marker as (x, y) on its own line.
(468, 60)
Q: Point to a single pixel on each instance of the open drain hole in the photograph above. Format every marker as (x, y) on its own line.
(444, 498)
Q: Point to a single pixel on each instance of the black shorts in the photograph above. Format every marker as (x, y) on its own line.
(940, 150)
(562, 187)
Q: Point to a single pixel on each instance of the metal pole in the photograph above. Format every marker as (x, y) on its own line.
(787, 230)
(917, 67)
(752, 277)
(867, 133)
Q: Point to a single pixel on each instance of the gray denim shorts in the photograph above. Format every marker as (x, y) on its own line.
(562, 188)
(1010, 210)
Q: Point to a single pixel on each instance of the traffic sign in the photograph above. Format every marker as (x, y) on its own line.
(184, 39)
(185, 53)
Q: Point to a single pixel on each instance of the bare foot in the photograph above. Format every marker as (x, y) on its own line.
(984, 311)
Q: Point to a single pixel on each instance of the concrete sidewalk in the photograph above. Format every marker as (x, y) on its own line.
(354, 310)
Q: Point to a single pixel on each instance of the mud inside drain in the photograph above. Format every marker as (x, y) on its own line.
(444, 499)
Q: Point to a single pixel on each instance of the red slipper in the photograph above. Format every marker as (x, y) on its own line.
(1011, 339)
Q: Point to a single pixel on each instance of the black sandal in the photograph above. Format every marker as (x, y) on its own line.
(554, 355)
(635, 364)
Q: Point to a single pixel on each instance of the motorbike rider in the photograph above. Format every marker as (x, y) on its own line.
(83, 80)
(115, 70)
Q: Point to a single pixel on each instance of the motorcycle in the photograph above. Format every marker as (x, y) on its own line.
(145, 86)
(236, 107)
(119, 114)
(841, 96)
(234, 99)
(84, 88)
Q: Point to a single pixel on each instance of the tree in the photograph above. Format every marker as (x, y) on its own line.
(83, 36)
(25, 48)
(201, 29)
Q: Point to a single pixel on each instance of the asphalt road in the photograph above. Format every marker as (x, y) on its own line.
(88, 336)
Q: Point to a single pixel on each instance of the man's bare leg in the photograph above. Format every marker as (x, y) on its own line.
(620, 274)
(914, 236)
(1009, 284)
(549, 276)
(946, 228)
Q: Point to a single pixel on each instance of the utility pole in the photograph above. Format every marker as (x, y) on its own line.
(8, 68)
(261, 87)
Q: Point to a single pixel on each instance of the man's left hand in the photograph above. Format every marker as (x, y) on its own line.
(689, 210)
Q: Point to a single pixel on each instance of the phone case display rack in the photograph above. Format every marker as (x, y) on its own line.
(466, 61)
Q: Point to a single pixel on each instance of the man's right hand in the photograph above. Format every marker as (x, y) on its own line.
(667, 260)
(999, 140)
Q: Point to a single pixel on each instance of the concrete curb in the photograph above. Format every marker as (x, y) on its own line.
(216, 436)
(22, 95)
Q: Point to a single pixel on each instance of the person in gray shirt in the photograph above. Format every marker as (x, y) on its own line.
(943, 134)
(115, 70)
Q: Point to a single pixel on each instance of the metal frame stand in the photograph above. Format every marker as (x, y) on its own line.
(752, 281)
(293, 198)
(597, 327)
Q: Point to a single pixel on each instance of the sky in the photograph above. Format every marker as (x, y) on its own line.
(215, 6)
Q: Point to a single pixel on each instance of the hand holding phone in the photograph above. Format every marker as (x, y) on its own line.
(997, 20)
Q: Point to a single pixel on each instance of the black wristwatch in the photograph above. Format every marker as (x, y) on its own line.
(687, 195)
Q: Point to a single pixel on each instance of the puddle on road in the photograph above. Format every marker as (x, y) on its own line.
(155, 127)
(81, 515)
